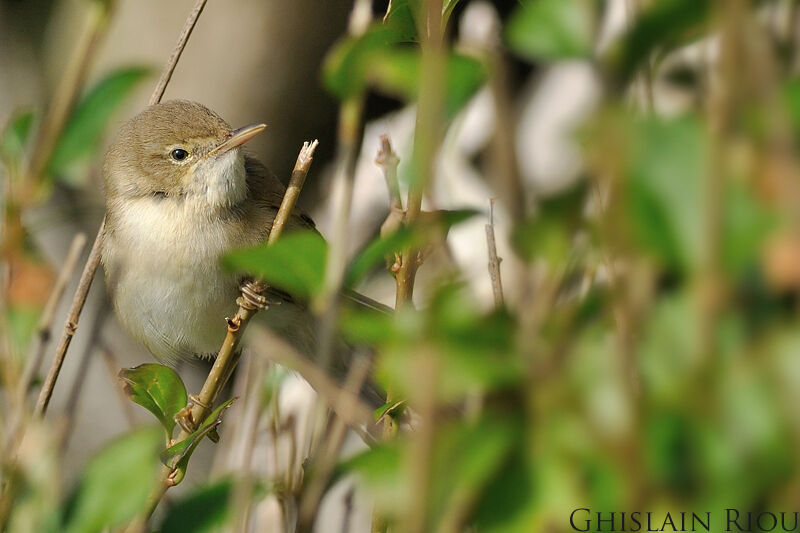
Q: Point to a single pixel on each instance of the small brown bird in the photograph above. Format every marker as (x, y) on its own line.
(180, 193)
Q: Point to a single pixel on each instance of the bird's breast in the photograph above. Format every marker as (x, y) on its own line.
(162, 261)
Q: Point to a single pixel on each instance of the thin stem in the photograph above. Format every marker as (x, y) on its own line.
(44, 330)
(326, 459)
(494, 260)
(169, 68)
(71, 325)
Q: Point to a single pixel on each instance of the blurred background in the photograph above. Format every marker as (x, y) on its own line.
(641, 155)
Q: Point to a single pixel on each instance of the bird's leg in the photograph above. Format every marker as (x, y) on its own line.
(184, 417)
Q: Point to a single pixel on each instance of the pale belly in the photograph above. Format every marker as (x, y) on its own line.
(167, 287)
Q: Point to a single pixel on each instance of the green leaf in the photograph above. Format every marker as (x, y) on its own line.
(177, 456)
(158, 389)
(205, 510)
(81, 137)
(294, 263)
(551, 30)
(393, 409)
(666, 169)
(376, 251)
(662, 26)
(15, 137)
(116, 484)
(550, 233)
(22, 321)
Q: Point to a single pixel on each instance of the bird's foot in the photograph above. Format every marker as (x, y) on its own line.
(185, 418)
(251, 297)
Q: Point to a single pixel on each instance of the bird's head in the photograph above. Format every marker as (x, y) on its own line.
(179, 150)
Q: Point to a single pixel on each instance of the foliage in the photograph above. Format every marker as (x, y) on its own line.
(646, 357)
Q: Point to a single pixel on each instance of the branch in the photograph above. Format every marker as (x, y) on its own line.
(89, 270)
(169, 68)
(70, 326)
(45, 327)
(494, 261)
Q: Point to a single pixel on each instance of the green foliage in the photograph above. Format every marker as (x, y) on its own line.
(666, 168)
(465, 458)
(15, 137)
(80, 140)
(474, 350)
(22, 322)
(550, 233)
(205, 510)
(177, 456)
(158, 389)
(295, 263)
(115, 485)
(662, 27)
(383, 59)
(552, 29)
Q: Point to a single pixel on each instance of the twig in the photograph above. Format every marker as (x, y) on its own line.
(346, 405)
(426, 141)
(112, 366)
(89, 270)
(71, 405)
(70, 85)
(326, 459)
(293, 189)
(44, 329)
(186, 32)
(494, 261)
(70, 326)
(388, 161)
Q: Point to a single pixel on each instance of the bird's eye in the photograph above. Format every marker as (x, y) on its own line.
(179, 154)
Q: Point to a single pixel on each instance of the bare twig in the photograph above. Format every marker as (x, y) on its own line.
(494, 261)
(293, 189)
(186, 32)
(70, 326)
(426, 141)
(93, 262)
(388, 161)
(326, 459)
(45, 326)
(346, 405)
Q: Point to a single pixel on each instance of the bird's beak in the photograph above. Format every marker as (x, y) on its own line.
(238, 137)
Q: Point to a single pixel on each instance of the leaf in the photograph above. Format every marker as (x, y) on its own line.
(158, 389)
(376, 251)
(393, 409)
(294, 263)
(662, 26)
(116, 484)
(81, 137)
(15, 137)
(22, 322)
(205, 510)
(551, 30)
(549, 234)
(177, 456)
(666, 169)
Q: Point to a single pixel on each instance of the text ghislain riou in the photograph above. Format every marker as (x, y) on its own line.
(584, 519)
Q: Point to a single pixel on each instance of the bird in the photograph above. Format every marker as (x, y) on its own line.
(180, 194)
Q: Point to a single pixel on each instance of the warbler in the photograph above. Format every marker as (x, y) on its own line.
(180, 193)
